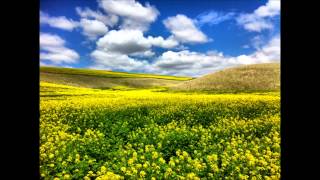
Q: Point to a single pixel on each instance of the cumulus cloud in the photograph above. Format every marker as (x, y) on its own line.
(185, 62)
(260, 19)
(132, 41)
(195, 64)
(135, 15)
(184, 29)
(109, 20)
(124, 42)
(251, 22)
(49, 40)
(116, 61)
(147, 53)
(126, 49)
(116, 47)
(213, 17)
(52, 48)
(272, 8)
(60, 22)
(164, 43)
(93, 28)
(268, 53)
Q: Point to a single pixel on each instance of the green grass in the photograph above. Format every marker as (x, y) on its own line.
(108, 74)
(101, 79)
(250, 78)
(104, 82)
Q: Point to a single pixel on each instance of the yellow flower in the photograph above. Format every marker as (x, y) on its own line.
(139, 166)
(130, 161)
(212, 157)
(145, 165)
(162, 161)
(215, 168)
(103, 169)
(169, 170)
(66, 176)
(185, 154)
(135, 154)
(123, 169)
(154, 155)
(172, 164)
(142, 173)
(191, 176)
(51, 156)
(134, 171)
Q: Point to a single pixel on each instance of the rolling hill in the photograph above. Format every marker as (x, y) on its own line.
(102, 79)
(257, 77)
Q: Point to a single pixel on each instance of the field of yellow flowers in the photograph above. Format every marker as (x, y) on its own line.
(145, 134)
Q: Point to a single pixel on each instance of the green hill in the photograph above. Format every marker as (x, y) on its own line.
(257, 77)
(106, 79)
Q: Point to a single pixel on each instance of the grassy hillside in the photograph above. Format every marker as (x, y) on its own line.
(108, 74)
(106, 79)
(257, 77)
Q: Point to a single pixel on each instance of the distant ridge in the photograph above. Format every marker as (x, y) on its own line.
(106, 79)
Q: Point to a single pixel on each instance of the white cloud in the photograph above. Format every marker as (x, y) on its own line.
(147, 53)
(93, 28)
(195, 64)
(53, 49)
(132, 41)
(109, 20)
(272, 8)
(115, 48)
(183, 63)
(49, 40)
(260, 19)
(164, 43)
(268, 53)
(213, 17)
(116, 61)
(60, 22)
(135, 15)
(124, 42)
(184, 30)
(251, 22)
(129, 24)
(187, 63)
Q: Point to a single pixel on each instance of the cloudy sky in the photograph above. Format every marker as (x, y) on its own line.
(175, 37)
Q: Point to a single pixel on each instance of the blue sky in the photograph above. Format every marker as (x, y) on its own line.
(174, 37)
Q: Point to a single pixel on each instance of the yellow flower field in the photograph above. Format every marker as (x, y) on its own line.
(145, 134)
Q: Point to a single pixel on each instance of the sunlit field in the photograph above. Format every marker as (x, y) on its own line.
(148, 134)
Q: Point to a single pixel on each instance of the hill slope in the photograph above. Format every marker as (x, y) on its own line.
(106, 79)
(257, 77)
